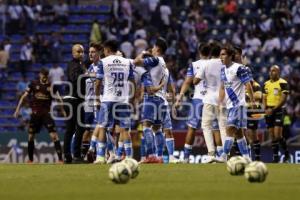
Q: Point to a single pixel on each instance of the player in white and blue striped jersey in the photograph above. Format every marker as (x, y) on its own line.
(116, 74)
(235, 78)
(153, 106)
(195, 113)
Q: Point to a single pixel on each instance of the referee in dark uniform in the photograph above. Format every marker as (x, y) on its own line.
(75, 97)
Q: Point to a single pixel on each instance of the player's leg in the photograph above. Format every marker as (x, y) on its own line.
(104, 119)
(275, 142)
(207, 121)
(193, 123)
(149, 110)
(124, 112)
(34, 127)
(50, 125)
(253, 140)
(278, 132)
(159, 141)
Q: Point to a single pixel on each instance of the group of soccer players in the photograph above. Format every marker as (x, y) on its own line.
(224, 89)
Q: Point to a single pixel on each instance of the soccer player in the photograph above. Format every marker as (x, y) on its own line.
(40, 103)
(210, 73)
(252, 122)
(275, 95)
(195, 113)
(235, 77)
(153, 105)
(114, 73)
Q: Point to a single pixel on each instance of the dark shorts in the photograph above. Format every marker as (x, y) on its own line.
(276, 119)
(38, 120)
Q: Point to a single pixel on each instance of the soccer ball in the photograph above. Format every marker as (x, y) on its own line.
(236, 165)
(119, 173)
(256, 171)
(133, 165)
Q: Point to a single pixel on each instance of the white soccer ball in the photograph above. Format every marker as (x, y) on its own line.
(236, 165)
(256, 171)
(119, 173)
(133, 165)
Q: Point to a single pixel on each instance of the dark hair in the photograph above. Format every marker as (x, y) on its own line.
(44, 71)
(112, 45)
(215, 49)
(161, 44)
(204, 49)
(229, 50)
(238, 49)
(97, 46)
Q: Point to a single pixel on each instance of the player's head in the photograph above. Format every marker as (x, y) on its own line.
(274, 72)
(204, 50)
(238, 54)
(215, 49)
(110, 47)
(43, 75)
(227, 55)
(78, 52)
(94, 52)
(160, 47)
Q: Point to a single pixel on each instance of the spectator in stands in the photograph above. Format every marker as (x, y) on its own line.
(127, 48)
(4, 56)
(56, 76)
(21, 86)
(165, 12)
(286, 42)
(126, 10)
(61, 12)
(140, 45)
(271, 44)
(7, 46)
(296, 47)
(47, 14)
(266, 23)
(296, 13)
(29, 19)
(96, 35)
(230, 9)
(25, 55)
(2, 17)
(56, 47)
(15, 14)
(252, 44)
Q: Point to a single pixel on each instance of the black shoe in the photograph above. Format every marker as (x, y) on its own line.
(68, 161)
(91, 156)
(79, 160)
(286, 158)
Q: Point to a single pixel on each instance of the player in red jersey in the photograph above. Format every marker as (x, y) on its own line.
(39, 92)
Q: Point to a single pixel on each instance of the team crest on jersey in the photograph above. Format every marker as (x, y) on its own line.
(116, 61)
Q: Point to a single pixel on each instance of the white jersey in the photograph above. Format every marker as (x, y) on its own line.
(115, 72)
(200, 88)
(90, 89)
(167, 80)
(156, 67)
(210, 73)
(138, 73)
(234, 79)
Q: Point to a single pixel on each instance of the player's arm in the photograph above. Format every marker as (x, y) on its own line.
(221, 94)
(25, 94)
(283, 98)
(185, 86)
(132, 91)
(98, 84)
(199, 76)
(251, 93)
(148, 62)
(61, 103)
(245, 76)
(154, 89)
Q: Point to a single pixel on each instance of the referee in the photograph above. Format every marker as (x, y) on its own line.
(74, 99)
(275, 95)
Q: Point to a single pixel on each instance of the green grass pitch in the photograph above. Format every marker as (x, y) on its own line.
(182, 181)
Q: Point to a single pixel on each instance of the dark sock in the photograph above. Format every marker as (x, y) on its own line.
(256, 149)
(58, 149)
(236, 148)
(282, 143)
(85, 147)
(30, 150)
(275, 148)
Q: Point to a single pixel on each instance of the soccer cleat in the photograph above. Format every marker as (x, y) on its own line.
(111, 159)
(208, 159)
(91, 157)
(60, 162)
(100, 160)
(221, 159)
(29, 162)
(174, 160)
(153, 160)
(286, 158)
